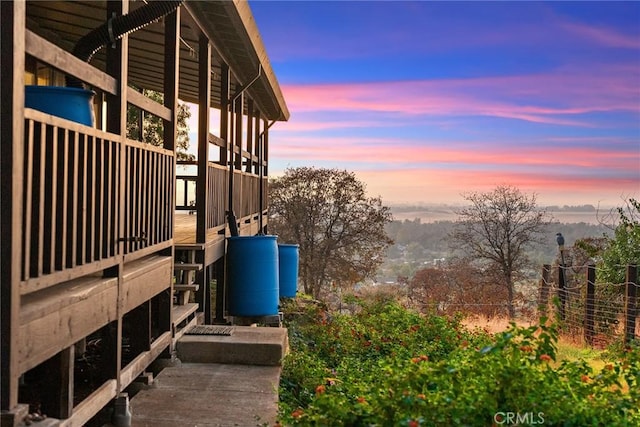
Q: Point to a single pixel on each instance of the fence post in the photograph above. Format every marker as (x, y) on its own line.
(589, 330)
(562, 294)
(543, 298)
(630, 303)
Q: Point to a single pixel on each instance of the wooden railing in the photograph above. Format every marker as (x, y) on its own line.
(217, 200)
(246, 194)
(251, 194)
(148, 201)
(70, 195)
(76, 179)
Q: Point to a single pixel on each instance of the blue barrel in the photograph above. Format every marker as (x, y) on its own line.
(70, 103)
(288, 256)
(252, 275)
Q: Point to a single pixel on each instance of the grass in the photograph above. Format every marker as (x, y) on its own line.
(568, 349)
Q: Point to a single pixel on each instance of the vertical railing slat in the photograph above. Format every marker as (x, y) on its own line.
(82, 217)
(53, 195)
(28, 201)
(99, 213)
(61, 263)
(43, 139)
(92, 201)
(108, 200)
(73, 218)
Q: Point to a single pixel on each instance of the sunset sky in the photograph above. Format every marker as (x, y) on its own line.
(428, 100)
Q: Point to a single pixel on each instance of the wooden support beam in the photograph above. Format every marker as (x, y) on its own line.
(218, 276)
(139, 100)
(238, 133)
(250, 134)
(257, 143)
(137, 324)
(57, 386)
(204, 105)
(59, 58)
(117, 67)
(201, 277)
(12, 55)
(225, 77)
(171, 76)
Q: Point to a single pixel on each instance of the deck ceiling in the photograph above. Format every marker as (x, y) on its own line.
(228, 24)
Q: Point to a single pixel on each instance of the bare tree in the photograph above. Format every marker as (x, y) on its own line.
(456, 286)
(341, 231)
(496, 231)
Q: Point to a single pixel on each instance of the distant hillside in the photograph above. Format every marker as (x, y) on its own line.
(588, 214)
(420, 236)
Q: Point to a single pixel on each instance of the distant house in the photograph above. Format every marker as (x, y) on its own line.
(98, 258)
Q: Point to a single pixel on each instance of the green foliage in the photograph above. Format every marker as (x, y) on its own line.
(153, 127)
(387, 366)
(624, 247)
(339, 229)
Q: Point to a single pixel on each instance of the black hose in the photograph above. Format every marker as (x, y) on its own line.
(115, 28)
(233, 224)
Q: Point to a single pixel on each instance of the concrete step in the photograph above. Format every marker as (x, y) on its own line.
(247, 345)
(209, 395)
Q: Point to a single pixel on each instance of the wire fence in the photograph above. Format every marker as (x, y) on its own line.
(596, 314)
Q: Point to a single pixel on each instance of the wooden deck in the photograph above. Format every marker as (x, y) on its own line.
(185, 229)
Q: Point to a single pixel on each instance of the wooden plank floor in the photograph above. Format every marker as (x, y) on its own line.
(208, 395)
(185, 229)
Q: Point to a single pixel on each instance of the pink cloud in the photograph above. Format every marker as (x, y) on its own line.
(603, 36)
(399, 152)
(543, 98)
(401, 185)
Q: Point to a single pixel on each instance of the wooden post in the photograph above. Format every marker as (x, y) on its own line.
(117, 67)
(589, 329)
(239, 133)
(630, 303)
(562, 293)
(204, 103)
(171, 76)
(237, 204)
(218, 274)
(250, 134)
(201, 279)
(256, 148)
(12, 50)
(138, 324)
(543, 298)
(224, 112)
(206, 293)
(56, 387)
(264, 164)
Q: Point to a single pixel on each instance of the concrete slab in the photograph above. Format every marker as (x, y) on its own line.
(208, 395)
(247, 345)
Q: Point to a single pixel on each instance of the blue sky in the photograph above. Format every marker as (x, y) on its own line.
(425, 101)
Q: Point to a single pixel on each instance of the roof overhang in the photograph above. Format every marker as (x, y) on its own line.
(229, 25)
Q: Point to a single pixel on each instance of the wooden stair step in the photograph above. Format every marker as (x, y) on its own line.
(186, 266)
(181, 312)
(184, 287)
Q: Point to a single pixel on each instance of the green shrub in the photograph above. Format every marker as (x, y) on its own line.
(388, 366)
